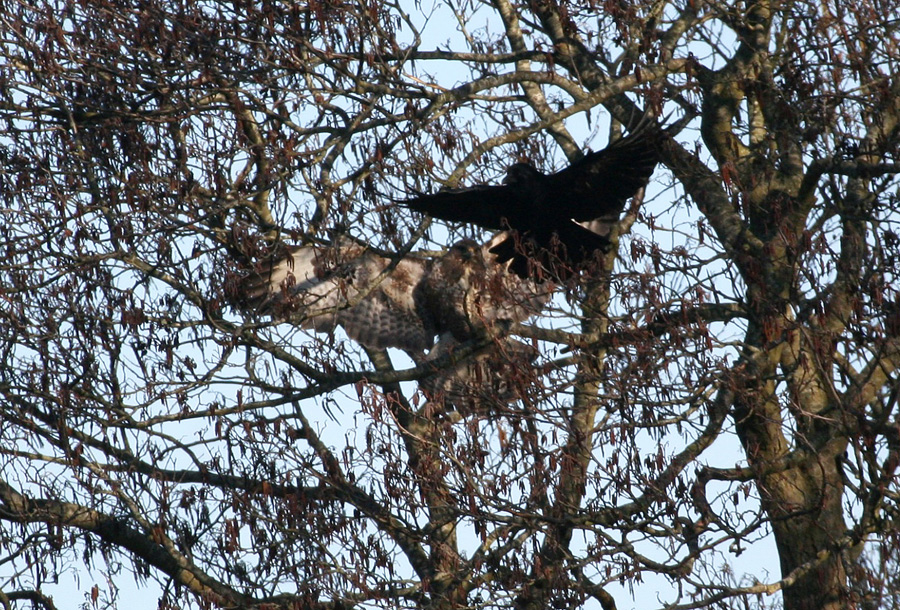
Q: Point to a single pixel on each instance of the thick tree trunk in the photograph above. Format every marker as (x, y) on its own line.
(805, 507)
(802, 495)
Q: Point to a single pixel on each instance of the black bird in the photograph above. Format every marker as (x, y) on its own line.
(548, 215)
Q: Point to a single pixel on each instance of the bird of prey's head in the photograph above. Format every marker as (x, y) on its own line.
(521, 173)
(465, 249)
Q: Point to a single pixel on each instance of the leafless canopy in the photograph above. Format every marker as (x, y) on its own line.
(723, 391)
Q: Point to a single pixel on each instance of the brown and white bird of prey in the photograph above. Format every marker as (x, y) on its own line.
(546, 214)
(402, 303)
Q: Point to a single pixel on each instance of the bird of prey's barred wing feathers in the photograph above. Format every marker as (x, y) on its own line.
(545, 213)
(402, 303)
(323, 287)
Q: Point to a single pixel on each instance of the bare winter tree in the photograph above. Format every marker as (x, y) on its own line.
(727, 380)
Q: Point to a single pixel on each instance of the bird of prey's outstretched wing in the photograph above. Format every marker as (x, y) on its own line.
(384, 303)
(322, 287)
(543, 212)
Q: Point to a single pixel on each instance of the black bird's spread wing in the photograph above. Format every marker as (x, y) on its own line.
(485, 206)
(598, 184)
(601, 182)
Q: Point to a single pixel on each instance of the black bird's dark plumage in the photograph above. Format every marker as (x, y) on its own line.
(545, 213)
